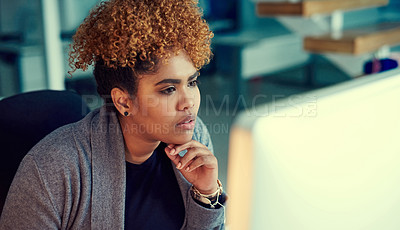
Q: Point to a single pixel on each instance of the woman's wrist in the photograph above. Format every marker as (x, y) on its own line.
(210, 199)
(208, 191)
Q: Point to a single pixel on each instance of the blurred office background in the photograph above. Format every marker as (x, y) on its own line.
(257, 59)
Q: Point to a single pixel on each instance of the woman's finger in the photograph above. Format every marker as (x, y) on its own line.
(179, 148)
(208, 161)
(174, 158)
(191, 154)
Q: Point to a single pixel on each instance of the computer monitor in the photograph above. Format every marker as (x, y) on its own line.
(325, 160)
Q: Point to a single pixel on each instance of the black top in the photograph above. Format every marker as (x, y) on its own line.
(153, 198)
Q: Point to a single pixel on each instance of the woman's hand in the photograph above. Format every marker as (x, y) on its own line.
(199, 166)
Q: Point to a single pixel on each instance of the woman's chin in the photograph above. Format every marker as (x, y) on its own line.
(179, 139)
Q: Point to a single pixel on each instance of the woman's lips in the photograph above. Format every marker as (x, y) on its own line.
(188, 126)
(187, 123)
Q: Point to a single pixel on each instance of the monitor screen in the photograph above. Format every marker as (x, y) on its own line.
(327, 159)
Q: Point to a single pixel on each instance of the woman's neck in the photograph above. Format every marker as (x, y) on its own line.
(136, 151)
(137, 148)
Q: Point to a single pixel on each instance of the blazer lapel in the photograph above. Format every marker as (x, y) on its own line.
(108, 172)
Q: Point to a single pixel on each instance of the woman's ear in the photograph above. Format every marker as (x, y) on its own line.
(122, 101)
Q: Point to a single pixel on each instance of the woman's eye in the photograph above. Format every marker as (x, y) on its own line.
(168, 91)
(194, 83)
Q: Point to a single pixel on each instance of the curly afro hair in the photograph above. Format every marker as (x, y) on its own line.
(125, 38)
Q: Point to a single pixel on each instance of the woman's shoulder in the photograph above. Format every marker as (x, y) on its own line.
(201, 134)
(200, 129)
(65, 143)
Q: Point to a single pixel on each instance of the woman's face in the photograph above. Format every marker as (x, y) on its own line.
(167, 102)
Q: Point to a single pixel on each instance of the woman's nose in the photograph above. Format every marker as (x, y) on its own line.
(186, 101)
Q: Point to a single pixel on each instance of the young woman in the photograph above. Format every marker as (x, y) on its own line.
(144, 160)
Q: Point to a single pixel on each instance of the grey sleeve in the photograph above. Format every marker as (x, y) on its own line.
(28, 204)
(199, 217)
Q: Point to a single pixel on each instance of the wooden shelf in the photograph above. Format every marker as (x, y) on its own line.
(307, 8)
(356, 41)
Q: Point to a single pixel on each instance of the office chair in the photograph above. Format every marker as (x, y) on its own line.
(25, 119)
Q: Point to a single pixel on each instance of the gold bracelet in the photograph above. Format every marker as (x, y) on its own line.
(207, 199)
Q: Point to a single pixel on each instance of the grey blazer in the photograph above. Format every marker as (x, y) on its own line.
(75, 179)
